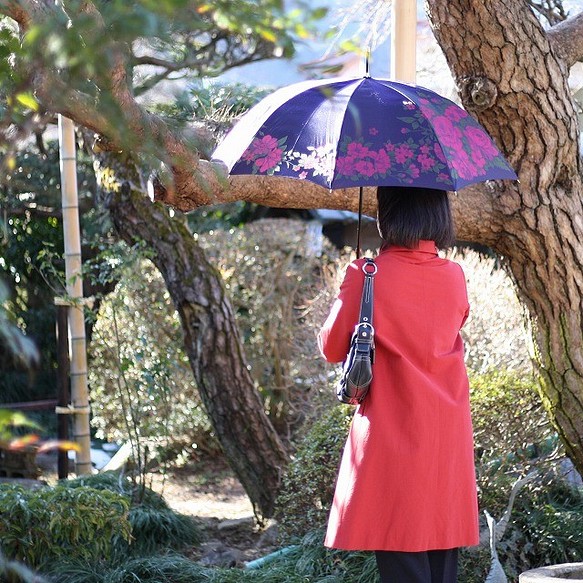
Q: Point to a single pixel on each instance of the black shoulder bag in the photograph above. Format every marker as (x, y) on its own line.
(356, 377)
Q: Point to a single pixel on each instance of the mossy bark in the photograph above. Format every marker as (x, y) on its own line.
(514, 82)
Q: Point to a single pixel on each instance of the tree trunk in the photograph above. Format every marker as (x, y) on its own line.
(512, 80)
(212, 342)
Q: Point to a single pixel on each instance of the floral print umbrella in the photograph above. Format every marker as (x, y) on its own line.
(363, 132)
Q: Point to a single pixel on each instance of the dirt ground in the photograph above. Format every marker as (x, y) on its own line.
(211, 493)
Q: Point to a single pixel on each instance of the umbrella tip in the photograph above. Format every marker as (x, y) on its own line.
(366, 63)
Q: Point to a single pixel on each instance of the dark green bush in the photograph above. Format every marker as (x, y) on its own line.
(545, 526)
(154, 525)
(308, 486)
(40, 526)
(511, 427)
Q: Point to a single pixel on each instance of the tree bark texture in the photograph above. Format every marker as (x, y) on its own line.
(211, 339)
(512, 79)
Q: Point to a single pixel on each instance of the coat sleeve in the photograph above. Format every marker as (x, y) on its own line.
(465, 288)
(334, 337)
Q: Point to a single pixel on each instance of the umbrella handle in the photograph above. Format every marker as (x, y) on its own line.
(360, 195)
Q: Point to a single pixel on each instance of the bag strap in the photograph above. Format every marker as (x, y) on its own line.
(366, 303)
(364, 328)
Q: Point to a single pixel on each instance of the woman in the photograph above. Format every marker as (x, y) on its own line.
(406, 485)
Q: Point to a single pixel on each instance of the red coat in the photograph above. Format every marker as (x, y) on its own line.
(407, 481)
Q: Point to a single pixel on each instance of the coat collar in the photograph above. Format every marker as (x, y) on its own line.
(425, 247)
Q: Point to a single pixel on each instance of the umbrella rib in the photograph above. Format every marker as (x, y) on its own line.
(353, 82)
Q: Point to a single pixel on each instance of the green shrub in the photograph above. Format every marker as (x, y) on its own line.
(39, 526)
(142, 384)
(309, 561)
(120, 483)
(154, 525)
(511, 428)
(308, 485)
(545, 526)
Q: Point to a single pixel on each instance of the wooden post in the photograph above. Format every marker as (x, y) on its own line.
(63, 392)
(404, 41)
(78, 368)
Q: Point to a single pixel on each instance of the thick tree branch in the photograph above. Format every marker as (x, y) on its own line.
(17, 10)
(566, 38)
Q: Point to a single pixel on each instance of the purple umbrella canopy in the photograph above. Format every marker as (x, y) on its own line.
(342, 133)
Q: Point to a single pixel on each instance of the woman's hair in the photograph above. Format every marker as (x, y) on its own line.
(408, 215)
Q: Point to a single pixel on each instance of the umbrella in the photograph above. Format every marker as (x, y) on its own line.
(362, 132)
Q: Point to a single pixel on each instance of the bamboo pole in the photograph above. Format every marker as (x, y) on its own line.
(404, 41)
(79, 406)
(63, 391)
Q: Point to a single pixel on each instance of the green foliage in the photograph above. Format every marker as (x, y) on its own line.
(31, 264)
(84, 44)
(544, 529)
(142, 384)
(307, 562)
(12, 341)
(156, 529)
(314, 466)
(154, 525)
(119, 483)
(511, 427)
(43, 525)
(11, 421)
(15, 572)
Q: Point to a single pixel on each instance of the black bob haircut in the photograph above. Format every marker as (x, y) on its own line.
(409, 215)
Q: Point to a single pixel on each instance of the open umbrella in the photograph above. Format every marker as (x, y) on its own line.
(362, 132)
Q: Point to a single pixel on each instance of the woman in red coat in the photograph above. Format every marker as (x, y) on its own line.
(406, 485)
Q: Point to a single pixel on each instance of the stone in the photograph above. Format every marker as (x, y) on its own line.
(216, 554)
(236, 523)
(553, 574)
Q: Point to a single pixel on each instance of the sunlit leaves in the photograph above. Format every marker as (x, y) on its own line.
(9, 420)
(27, 100)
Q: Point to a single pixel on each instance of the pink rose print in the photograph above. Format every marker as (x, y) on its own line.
(357, 150)
(381, 161)
(442, 177)
(479, 140)
(455, 113)
(248, 154)
(302, 175)
(465, 167)
(425, 149)
(477, 158)
(427, 109)
(425, 161)
(438, 151)
(414, 171)
(449, 134)
(364, 167)
(403, 153)
(373, 131)
(264, 153)
(264, 145)
(345, 165)
(270, 161)
(389, 147)
(408, 105)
